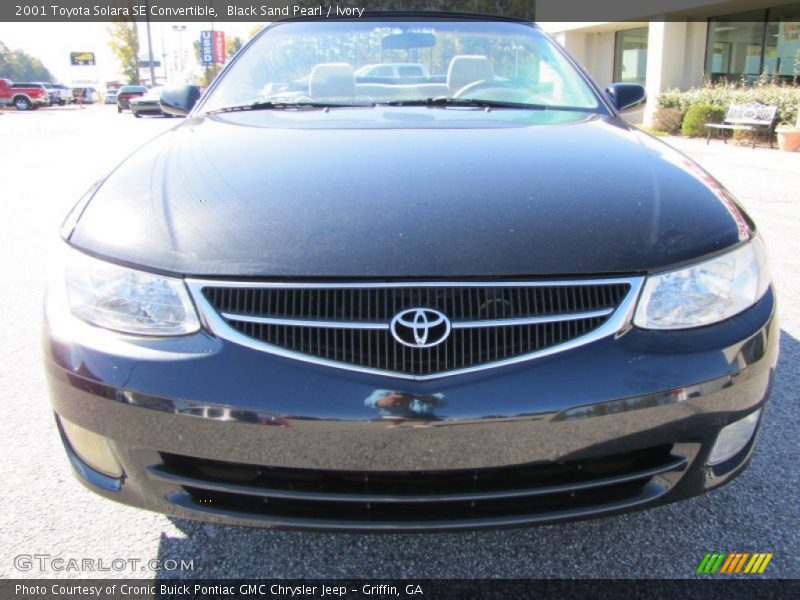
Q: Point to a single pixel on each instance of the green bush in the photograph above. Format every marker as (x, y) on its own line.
(786, 97)
(667, 120)
(694, 122)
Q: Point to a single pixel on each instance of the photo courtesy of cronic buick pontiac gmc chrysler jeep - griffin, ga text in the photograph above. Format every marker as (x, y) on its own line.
(457, 292)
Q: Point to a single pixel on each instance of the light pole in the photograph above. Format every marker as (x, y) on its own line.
(164, 60)
(180, 29)
(150, 47)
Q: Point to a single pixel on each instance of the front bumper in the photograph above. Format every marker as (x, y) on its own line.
(201, 426)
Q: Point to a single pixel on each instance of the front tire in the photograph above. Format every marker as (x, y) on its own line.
(119, 109)
(22, 103)
(137, 115)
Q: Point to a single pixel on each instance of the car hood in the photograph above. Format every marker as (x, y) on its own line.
(318, 194)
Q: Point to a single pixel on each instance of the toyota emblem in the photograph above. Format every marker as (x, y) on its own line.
(420, 327)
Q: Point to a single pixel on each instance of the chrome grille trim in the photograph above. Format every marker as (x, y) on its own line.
(381, 326)
(304, 322)
(214, 321)
(561, 318)
(405, 284)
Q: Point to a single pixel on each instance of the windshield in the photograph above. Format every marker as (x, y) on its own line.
(395, 62)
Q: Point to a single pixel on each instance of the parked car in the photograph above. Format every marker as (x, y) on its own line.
(357, 306)
(29, 96)
(61, 94)
(111, 96)
(149, 104)
(84, 95)
(5, 92)
(58, 92)
(51, 93)
(126, 92)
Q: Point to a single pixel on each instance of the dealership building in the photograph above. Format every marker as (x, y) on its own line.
(679, 47)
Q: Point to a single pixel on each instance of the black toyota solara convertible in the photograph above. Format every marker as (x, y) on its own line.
(407, 274)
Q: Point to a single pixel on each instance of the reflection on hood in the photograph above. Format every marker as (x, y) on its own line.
(405, 405)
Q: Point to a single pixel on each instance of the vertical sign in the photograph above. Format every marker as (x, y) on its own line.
(207, 47)
(219, 47)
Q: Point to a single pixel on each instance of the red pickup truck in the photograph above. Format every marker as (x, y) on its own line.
(5, 92)
(24, 96)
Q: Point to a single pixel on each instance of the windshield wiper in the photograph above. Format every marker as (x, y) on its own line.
(268, 105)
(473, 102)
(467, 102)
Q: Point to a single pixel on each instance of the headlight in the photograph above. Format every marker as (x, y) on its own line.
(128, 300)
(707, 292)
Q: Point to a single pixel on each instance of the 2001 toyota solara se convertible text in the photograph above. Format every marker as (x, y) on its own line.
(405, 273)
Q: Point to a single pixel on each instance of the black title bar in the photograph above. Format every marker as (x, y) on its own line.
(422, 589)
(272, 10)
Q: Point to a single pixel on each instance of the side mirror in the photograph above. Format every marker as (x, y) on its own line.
(180, 100)
(626, 95)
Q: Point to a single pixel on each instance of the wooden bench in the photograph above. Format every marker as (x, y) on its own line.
(746, 117)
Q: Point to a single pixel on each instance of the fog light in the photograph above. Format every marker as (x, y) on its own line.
(92, 448)
(733, 438)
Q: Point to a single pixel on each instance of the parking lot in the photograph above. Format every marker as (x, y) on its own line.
(50, 156)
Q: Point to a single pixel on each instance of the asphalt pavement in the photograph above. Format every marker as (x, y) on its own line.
(48, 158)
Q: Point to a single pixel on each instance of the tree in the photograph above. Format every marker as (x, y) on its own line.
(16, 65)
(124, 43)
(208, 74)
(255, 30)
(233, 45)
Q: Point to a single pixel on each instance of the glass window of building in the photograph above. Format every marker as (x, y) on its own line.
(743, 46)
(782, 43)
(736, 46)
(630, 56)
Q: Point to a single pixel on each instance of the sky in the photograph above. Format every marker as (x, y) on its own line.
(53, 42)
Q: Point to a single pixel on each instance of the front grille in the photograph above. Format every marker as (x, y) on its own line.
(351, 324)
(520, 493)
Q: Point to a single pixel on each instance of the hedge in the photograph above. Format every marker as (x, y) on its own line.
(667, 120)
(694, 122)
(785, 97)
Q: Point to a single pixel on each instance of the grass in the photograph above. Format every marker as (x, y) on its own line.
(647, 129)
